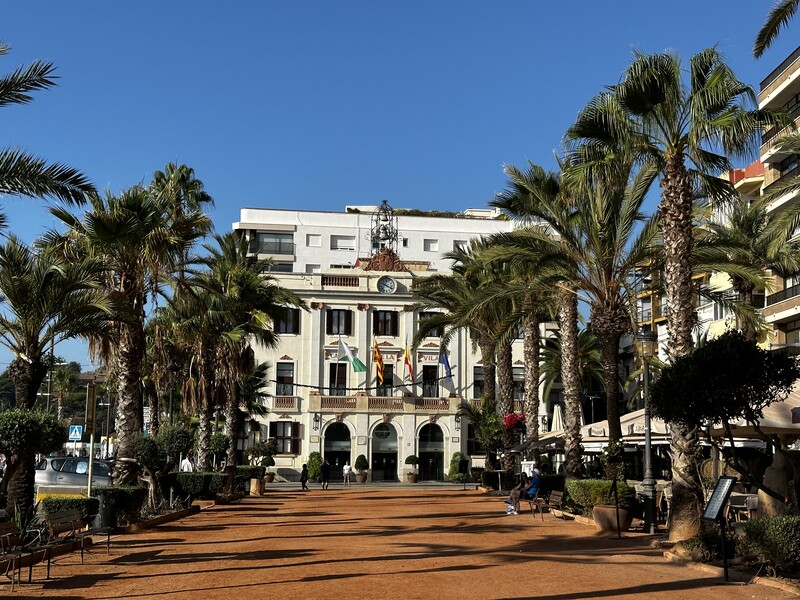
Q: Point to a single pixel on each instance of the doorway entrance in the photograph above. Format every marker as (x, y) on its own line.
(431, 453)
(384, 453)
(337, 449)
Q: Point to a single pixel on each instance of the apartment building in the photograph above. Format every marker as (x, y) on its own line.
(355, 270)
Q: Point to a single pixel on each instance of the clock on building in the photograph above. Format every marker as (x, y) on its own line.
(387, 285)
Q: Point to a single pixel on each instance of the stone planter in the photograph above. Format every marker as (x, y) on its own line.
(269, 477)
(605, 518)
(256, 487)
(361, 478)
(412, 477)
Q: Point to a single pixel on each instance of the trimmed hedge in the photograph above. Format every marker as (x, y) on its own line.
(199, 485)
(88, 507)
(128, 499)
(774, 540)
(586, 493)
(244, 473)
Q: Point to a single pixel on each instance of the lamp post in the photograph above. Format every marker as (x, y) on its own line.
(647, 341)
(172, 368)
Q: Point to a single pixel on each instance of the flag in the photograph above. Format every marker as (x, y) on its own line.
(407, 362)
(378, 360)
(355, 362)
(446, 363)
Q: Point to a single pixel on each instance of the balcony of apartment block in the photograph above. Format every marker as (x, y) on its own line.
(783, 300)
(779, 84)
(362, 402)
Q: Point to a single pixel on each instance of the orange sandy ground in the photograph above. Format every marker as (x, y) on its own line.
(371, 542)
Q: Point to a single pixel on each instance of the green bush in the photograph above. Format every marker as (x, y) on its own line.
(453, 474)
(22, 429)
(244, 473)
(200, 484)
(586, 493)
(128, 499)
(88, 507)
(774, 540)
(219, 443)
(361, 465)
(315, 465)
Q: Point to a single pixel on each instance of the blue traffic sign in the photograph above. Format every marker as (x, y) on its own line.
(75, 433)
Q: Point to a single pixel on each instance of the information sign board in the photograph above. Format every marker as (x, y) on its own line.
(719, 497)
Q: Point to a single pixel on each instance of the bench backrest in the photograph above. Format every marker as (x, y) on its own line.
(10, 536)
(555, 498)
(64, 521)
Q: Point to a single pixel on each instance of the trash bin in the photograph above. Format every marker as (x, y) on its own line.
(107, 512)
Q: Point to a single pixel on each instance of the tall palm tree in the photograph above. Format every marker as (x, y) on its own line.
(677, 127)
(778, 17)
(139, 243)
(22, 173)
(48, 300)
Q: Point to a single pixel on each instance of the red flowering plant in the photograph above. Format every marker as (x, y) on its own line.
(514, 421)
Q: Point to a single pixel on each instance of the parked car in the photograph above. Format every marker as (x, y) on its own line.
(74, 471)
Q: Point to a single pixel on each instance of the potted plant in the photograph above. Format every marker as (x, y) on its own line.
(262, 454)
(604, 510)
(361, 468)
(412, 476)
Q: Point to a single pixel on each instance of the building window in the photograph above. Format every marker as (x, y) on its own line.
(434, 333)
(387, 389)
(339, 322)
(337, 381)
(313, 268)
(519, 383)
(275, 243)
(288, 321)
(284, 379)
(341, 266)
(430, 245)
(477, 382)
(286, 435)
(281, 267)
(313, 240)
(793, 333)
(384, 322)
(430, 381)
(460, 245)
(790, 164)
(473, 447)
(405, 242)
(343, 242)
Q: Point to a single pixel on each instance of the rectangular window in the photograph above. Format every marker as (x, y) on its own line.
(387, 389)
(438, 331)
(275, 243)
(405, 242)
(384, 322)
(790, 164)
(473, 447)
(339, 322)
(430, 245)
(343, 242)
(286, 435)
(519, 383)
(477, 382)
(430, 381)
(288, 321)
(284, 379)
(313, 268)
(281, 267)
(460, 245)
(337, 379)
(313, 240)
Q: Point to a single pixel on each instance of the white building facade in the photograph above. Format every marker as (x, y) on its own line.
(345, 267)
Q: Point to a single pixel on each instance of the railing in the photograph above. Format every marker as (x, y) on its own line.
(431, 404)
(783, 177)
(794, 112)
(789, 292)
(340, 280)
(775, 73)
(384, 403)
(645, 315)
(337, 402)
(661, 311)
(276, 248)
(280, 403)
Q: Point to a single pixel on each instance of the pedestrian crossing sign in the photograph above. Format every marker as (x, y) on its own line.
(75, 433)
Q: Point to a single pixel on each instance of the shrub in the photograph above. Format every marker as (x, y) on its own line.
(362, 465)
(453, 474)
(219, 443)
(315, 465)
(200, 484)
(774, 540)
(22, 429)
(586, 493)
(128, 499)
(245, 473)
(86, 506)
(412, 460)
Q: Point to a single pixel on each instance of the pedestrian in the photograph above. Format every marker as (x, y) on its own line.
(186, 464)
(346, 470)
(304, 477)
(513, 498)
(325, 472)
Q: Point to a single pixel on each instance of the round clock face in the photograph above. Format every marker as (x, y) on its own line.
(386, 285)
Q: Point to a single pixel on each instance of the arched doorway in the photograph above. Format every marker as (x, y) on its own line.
(384, 453)
(431, 453)
(337, 448)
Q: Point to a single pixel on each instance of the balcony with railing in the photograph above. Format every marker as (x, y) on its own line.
(279, 247)
(779, 74)
(432, 404)
(285, 403)
(338, 402)
(784, 294)
(385, 403)
(339, 281)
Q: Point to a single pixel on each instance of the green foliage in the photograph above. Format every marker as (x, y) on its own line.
(220, 443)
(453, 474)
(247, 472)
(411, 459)
(774, 540)
(315, 465)
(728, 378)
(586, 493)
(200, 484)
(128, 499)
(28, 430)
(362, 465)
(147, 451)
(86, 506)
(175, 440)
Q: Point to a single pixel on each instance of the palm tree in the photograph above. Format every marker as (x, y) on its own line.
(139, 243)
(48, 300)
(675, 127)
(778, 17)
(22, 173)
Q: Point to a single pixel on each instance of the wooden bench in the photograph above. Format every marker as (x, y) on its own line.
(553, 501)
(12, 549)
(67, 525)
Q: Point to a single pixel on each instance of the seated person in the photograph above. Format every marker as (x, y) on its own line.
(513, 499)
(530, 491)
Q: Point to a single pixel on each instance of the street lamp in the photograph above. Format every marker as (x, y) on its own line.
(647, 342)
(172, 368)
(458, 422)
(317, 421)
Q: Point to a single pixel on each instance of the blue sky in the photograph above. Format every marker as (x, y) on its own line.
(315, 105)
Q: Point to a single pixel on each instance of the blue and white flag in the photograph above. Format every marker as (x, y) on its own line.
(446, 363)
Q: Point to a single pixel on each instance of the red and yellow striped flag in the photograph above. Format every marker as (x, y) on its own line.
(377, 358)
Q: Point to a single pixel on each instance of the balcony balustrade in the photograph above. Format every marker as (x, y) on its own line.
(285, 403)
(782, 295)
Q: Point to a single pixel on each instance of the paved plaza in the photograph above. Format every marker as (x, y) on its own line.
(376, 542)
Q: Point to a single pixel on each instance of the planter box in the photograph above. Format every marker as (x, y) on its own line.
(605, 518)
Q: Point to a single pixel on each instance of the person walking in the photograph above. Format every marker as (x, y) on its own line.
(304, 477)
(186, 464)
(346, 470)
(325, 472)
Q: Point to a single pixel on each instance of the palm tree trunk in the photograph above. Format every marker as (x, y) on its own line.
(530, 349)
(231, 424)
(20, 472)
(609, 344)
(129, 403)
(486, 343)
(505, 380)
(27, 376)
(676, 222)
(568, 321)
